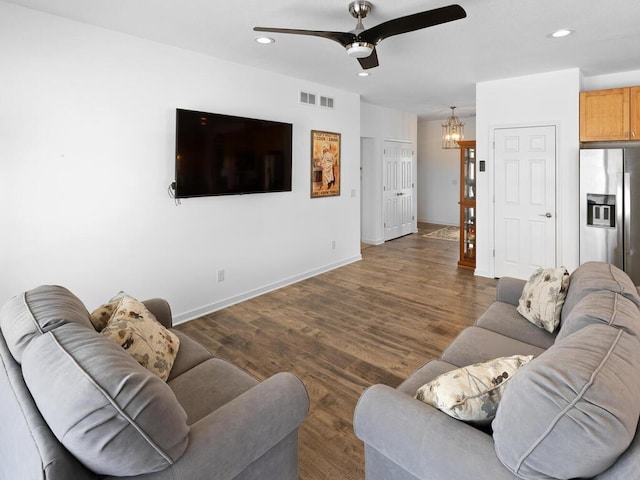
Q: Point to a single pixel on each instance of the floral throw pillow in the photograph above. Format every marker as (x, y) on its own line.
(135, 328)
(472, 393)
(101, 315)
(543, 296)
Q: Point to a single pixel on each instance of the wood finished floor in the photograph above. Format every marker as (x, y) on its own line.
(374, 321)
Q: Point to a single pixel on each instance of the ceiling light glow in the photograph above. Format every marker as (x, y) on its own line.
(264, 40)
(563, 32)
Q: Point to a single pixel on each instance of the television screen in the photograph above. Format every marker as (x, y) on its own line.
(225, 155)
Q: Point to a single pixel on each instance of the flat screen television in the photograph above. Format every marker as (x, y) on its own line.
(226, 155)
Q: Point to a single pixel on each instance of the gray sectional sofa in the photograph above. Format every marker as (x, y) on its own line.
(571, 412)
(75, 405)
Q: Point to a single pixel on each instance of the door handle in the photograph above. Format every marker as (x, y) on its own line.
(548, 215)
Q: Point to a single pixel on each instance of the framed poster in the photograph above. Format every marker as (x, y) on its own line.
(325, 164)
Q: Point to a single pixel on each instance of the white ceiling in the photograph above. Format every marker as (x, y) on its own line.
(422, 72)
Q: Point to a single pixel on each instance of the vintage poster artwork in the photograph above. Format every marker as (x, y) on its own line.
(325, 164)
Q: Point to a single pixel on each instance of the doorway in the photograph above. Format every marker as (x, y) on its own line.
(398, 189)
(525, 200)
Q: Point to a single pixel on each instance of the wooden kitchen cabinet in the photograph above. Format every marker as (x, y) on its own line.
(610, 115)
(634, 107)
(467, 204)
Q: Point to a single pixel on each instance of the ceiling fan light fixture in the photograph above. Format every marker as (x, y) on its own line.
(452, 131)
(361, 42)
(359, 49)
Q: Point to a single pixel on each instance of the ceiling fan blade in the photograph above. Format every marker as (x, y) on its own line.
(411, 23)
(369, 62)
(343, 38)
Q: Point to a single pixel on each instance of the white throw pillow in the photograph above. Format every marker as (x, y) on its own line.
(472, 393)
(543, 296)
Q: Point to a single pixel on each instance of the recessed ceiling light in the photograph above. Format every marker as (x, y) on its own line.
(363, 74)
(264, 40)
(563, 32)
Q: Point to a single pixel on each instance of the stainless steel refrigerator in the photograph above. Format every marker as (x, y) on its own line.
(610, 208)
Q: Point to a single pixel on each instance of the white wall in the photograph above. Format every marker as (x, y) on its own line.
(614, 80)
(439, 173)
(543, 99)
(377, 125)
(87, 129)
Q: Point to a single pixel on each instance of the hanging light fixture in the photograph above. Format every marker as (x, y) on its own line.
(452, 131)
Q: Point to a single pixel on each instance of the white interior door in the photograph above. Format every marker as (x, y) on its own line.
(525, 200)
(398, 186)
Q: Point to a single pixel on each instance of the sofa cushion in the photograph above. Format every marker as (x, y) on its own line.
(472, 393)
(594, 276)
(134, 328)
(190, 354)
(543, 296)
(34, 312)
(573, 410)
(603, 307)
(208, 386)
(503, 318)
(424, 374)
(112, 414)
(476, 345)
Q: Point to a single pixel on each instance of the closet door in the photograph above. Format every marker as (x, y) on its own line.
(398, 211)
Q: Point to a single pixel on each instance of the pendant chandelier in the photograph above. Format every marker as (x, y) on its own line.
(452, 131)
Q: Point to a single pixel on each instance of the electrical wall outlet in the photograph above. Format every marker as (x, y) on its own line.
(220, 276)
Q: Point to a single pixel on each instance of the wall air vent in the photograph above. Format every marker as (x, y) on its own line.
(308, 98)
(326, 102)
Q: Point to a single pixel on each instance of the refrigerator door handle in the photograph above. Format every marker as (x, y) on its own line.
(620, 219)
(627, 214)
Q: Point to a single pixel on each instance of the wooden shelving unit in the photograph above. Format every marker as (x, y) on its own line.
(467, 204)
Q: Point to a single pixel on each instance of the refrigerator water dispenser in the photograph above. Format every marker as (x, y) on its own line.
(601, 210)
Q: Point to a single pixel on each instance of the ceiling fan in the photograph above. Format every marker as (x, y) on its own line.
(361, 43)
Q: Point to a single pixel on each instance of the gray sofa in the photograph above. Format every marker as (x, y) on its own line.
(571, 412)
(210, 420)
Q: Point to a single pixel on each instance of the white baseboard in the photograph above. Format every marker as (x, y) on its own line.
(440, 222)
(372, 242)
(483, 273)
(227, 302)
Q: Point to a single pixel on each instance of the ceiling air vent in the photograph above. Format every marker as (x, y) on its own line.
(308, 98)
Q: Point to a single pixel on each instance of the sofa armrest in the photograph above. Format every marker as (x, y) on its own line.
(226, 441)
(422, 440)
(161, 310)
(509, 290)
